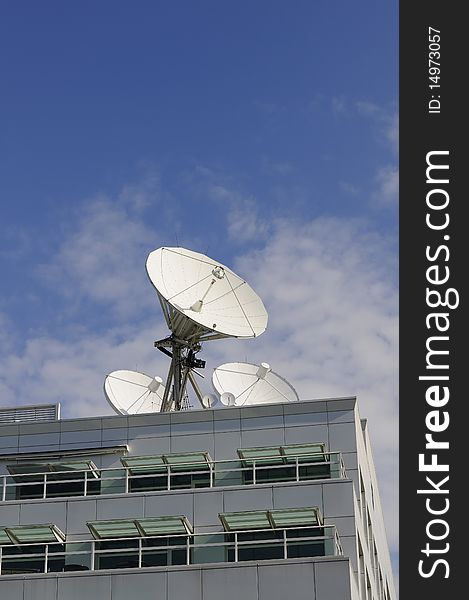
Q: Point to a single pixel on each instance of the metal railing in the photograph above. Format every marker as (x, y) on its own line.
(131, 552)
(122, 480)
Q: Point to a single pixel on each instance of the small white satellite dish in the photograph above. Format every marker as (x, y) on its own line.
(202, 298)
(228, 399)
(251, 384)
(132, 392)
(209, 400)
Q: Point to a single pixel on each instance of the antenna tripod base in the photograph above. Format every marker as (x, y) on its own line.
(181, 370)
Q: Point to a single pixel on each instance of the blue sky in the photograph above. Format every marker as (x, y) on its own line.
(263, 133)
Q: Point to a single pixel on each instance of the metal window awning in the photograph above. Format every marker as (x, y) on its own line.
(159, 463)
(29, 534)
(253, 519)
(55, 467)
(188, 460)
(145, 527)
(271, 519)
(144, 464)
(165, 525)
(282, 454)
(262, 455)
(4, 539)
(307, 452)
(295, 517)
(72, 454)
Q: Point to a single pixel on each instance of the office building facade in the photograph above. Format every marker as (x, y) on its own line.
(262, 502)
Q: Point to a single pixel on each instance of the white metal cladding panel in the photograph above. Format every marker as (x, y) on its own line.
(39, 589)
(257, 423)
(173, 504)
(9, 514)
(192, 443)
(338, 499)
(124, 507)
(8, 443)
(78, 513)
(44, 512)
(226, 445)
(345, 525)
(303, 579)
(263, 423)
(229, 584)
(207, 506)
(308, 433)
(39, 439)
(263, 437)
(91, 588)
(13, 590)
(332, 580)
(342, 437)
(278, 582)
(299, 419)
(298, 496)
(139, 586)
(185, 584)
(249, 499)
(227, 425)
(192, 427)
(143, 446)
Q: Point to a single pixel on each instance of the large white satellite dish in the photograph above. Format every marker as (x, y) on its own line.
(252, 384)
(132, 392)
(201, 300)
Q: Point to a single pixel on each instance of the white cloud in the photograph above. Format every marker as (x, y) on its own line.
(386, 191)
(101, 258)
(388, 123)
(244, 222)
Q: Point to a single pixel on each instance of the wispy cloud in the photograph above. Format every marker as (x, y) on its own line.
(100, 258)
(386, 191)
(244, 221)
(387, 122)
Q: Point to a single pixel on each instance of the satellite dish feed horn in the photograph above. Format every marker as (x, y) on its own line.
(228, 399)
(201, 300)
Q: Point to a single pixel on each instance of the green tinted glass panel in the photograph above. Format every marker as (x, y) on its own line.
(4, 539)
(87, 465)
(188, 460)
(164, 525)
(312, 452)
(245, 520)
(113, 529)
(141, 464)
(293, 517)
(265, 454)
(26, 534)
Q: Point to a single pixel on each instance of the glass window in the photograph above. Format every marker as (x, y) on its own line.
(62, 479)
(116, 554)
(185, 470)
(23, 559)
(163, 551)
